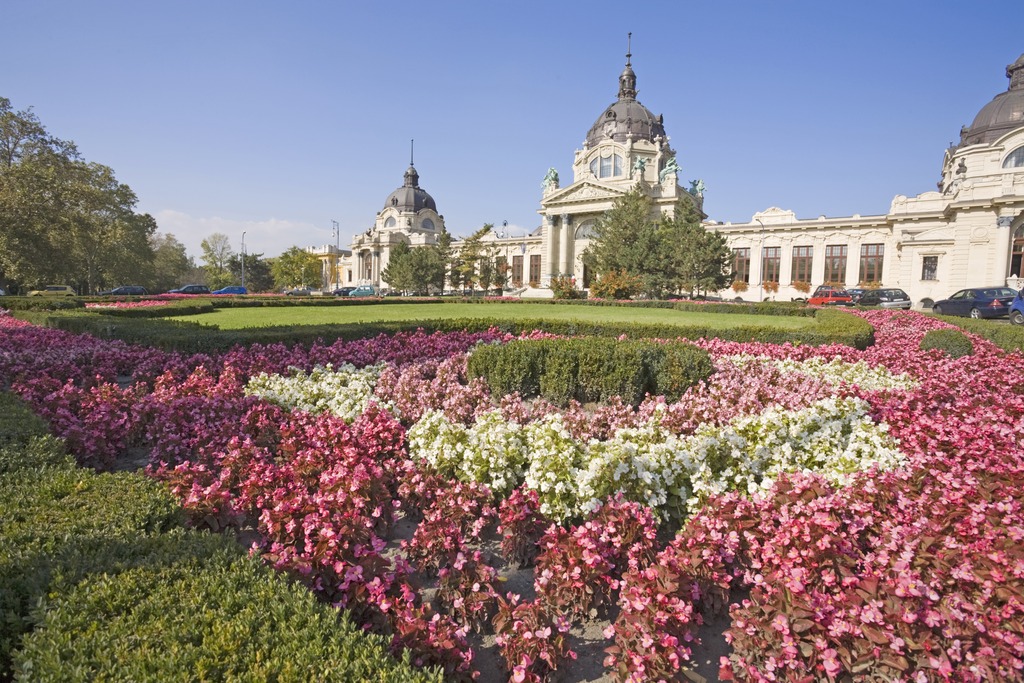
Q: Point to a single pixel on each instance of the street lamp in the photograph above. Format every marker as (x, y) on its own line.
(760, 284)
(243, 258)
(336, 276)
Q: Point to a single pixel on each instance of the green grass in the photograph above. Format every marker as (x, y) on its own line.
(240, 318)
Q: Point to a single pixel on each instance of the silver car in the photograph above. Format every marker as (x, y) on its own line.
(886, 298)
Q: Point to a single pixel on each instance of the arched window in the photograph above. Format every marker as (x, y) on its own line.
(1014, 159)
(585, 231)
(607, 166)
(428, 224)
(390, 222)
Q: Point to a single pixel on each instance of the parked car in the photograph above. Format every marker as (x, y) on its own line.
(1017, 309)
(231, 289)
(298, 291)
(343, 291)
(886, 298)
(977, 302)
(827, 295)
(126, 290)
(364, 290)
(856, 293)
(53, 290)
(191, 289)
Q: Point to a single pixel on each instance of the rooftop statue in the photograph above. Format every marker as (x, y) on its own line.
(697, 187)
(671, 166)
(638, 166)
(550, 180)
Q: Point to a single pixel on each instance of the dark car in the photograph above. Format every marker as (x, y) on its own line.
(343, 291)
(1017, 309)
(977, 302)
(126, 290)
(191, 289)
(856, 293)
(298, 291)
(886, 298)
(232, 289)
(827, 295)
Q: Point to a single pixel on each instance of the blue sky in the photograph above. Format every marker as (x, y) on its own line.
(277, 118)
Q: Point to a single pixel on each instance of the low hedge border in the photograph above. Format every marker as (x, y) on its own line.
(831, 327)
(78, 548)
(1007, 337)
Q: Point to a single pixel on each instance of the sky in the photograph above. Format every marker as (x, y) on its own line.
(274, 119)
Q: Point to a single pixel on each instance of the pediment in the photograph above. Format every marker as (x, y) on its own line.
(583, 191)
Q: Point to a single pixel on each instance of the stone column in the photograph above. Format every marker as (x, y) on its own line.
(565, 257)
(549, 257)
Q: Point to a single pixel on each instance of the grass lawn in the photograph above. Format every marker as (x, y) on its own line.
(238, 318)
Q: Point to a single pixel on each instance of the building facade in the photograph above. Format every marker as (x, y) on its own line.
(969, 232)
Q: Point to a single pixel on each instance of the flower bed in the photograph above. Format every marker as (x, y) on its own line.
(862, 509)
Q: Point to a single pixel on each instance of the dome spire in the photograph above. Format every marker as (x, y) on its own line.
(627, 80)
(1015, 72)
(412, 178)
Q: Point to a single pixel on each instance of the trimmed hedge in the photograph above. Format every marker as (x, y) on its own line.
(1007, 337)
(229, 619)
(954, 343)
(18, 424)
(590, 370)
(831, 327)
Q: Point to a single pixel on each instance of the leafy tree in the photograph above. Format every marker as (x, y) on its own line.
(700, 260)
(64, 219)
(258, 277)
(296, 267)
(398, 273)
(629, 239)
(216, 257)
(472, 252)
(171, 263)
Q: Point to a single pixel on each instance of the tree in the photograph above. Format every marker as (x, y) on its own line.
(216, 257)
(398, 273)
(470, 255)
(296, 267)
(700, 260)
(171, 263)
(629, 239)
(258, 277)
(64, 219)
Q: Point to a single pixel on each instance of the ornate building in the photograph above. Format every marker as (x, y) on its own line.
(970, 232)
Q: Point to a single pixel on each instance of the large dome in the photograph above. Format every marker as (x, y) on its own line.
(1002, 114)
(626, 115)
(410, 196)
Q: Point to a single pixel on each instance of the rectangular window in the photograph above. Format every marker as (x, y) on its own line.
(500, 271)
(835, 264)
(871, 263)
(803, 259)
(930, 268)
(741, 265)
(771, 263)
(535, 269)
(517, 271)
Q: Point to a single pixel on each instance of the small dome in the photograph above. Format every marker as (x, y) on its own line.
(626, 115)
(410, 196)
(1003, 114)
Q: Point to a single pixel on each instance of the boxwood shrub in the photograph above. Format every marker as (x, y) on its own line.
(953, 343)
(227, 618)
(590, 370)
(18, 424)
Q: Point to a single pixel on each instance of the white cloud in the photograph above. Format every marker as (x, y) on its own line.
(269, 237)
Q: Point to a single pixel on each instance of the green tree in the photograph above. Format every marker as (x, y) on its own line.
(171, 263)
(64, 219)
(629, 239)
(700, 259)
(470, 254)
(398, 273)
(258, 277)
(216, 257)
(296, 267)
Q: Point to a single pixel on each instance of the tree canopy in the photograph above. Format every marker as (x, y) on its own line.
(296, 267)
(659, 255)
(65, 220)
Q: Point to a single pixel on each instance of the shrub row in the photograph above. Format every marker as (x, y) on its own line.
(1007, 337)
(78, 549)
(831, 327)
(17, 422)
(590, 370)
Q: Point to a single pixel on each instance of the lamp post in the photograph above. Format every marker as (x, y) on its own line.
(243, 258)
(508, 266)
(337, 253)
(760, 284)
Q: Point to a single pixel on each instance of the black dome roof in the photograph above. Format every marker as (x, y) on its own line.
(626, 115)
(410, 196)
(1003, 114)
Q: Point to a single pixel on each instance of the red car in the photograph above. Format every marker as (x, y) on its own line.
(827, 295)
